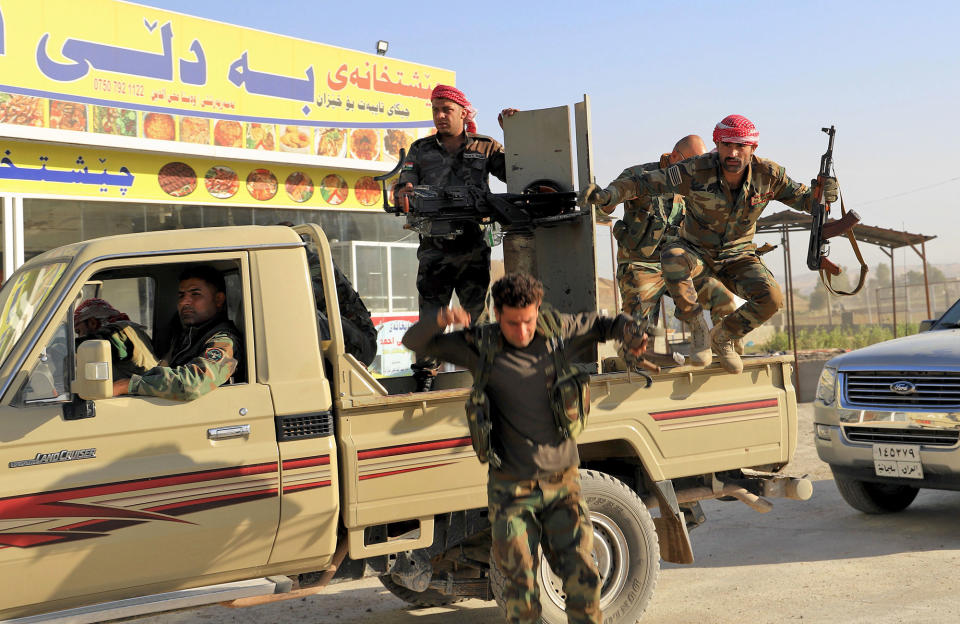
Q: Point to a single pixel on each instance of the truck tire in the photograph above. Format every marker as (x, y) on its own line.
(625, 547)
(426, 598)
(875, 498)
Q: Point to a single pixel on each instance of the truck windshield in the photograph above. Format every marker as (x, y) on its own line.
(20, 298)
(950, 318)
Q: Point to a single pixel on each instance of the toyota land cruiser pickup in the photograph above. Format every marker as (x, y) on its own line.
(313, 470)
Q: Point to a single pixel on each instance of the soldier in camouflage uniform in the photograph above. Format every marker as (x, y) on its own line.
(130, 347)
(641, 234)
(725, 192)
(454, 156)
(206, 347)
(534, 496)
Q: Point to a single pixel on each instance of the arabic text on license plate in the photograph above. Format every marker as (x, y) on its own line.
(897, 460)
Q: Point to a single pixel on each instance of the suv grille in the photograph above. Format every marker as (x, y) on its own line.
(926, 437)
(934, 390)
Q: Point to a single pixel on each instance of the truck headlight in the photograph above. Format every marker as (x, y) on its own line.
(827, 386)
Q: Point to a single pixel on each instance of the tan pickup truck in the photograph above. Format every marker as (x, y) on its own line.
(314, 470)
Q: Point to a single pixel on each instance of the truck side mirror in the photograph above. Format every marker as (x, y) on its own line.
(927, 325)
(94, 374)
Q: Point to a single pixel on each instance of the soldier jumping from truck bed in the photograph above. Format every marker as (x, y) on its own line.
(641, 234)
(725, 192)
(534, 489)
(455, 156)
(205, 350)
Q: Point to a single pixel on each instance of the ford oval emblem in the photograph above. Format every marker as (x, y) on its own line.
(903, 387)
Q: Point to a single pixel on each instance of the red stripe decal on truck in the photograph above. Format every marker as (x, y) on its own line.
(306, 462)
(714, 409)
(388, 473)
(403, 449)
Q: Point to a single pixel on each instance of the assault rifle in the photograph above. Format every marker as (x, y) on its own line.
(443, 211)
(822, 230)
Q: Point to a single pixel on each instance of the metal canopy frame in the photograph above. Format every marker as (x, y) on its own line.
(887, 240)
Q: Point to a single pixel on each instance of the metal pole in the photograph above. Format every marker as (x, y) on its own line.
(793, 310)
(893, 289)
(926, 282)
(613, 262)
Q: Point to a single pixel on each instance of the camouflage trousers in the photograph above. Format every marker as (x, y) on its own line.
(549, 513)
(642, 285)
(440, 274)
(686, 268)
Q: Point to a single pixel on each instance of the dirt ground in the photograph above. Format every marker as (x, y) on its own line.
(814, 561)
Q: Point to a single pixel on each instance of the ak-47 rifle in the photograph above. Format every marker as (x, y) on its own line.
(822, 230)
(442, 211)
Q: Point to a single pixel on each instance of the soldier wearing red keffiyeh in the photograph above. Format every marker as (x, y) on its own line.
(130, 346)
(454, 156)
(725, 192)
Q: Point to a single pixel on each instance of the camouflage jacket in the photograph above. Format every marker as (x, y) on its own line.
(716, 221)
(200, 360)
(429, 163)
(130, 348)
(646, 225)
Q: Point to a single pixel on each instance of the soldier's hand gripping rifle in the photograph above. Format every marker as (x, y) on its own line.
(442, 211)
(822, 229)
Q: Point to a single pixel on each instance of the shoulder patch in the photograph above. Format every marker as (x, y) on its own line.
(214, 354)
(674, 174)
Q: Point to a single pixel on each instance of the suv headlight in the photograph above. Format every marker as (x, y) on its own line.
(827, 386)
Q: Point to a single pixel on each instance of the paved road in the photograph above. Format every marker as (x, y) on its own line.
(817, 561)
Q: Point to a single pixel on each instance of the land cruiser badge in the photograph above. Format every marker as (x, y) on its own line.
(56, 457)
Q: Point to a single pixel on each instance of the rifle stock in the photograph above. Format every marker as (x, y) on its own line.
(839, 227)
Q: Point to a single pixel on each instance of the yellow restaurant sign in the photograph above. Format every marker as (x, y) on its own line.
(121, 75)
(33, 168)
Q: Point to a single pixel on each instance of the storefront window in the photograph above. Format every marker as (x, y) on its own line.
(372, 248)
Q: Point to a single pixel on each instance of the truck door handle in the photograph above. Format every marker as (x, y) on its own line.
(225, 433)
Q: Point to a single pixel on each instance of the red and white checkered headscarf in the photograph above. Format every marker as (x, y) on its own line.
(736, 129)
(99, 309)
(457, 97)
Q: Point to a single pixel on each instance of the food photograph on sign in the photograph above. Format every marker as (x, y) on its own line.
(21, 110)
(261, 137)
(221, 181)
(262, 184)
(68, 116)
(195, 130)
(364, 144)
(177, 179)
(299, 187)
(159, 126)
(331, 142)
(295, 139)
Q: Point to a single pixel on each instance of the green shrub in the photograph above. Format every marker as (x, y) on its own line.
(821, 337)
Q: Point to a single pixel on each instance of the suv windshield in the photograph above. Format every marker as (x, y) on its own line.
(20, 298)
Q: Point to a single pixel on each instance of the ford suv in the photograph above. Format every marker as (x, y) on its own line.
(887, 417)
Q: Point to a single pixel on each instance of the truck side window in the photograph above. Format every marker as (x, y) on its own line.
(49, 380)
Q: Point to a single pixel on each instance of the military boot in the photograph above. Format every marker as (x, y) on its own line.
(738, 346)
(699, 341)
(722, 342)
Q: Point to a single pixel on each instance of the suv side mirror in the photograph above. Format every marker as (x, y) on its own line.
(927, 325)
(94, 374)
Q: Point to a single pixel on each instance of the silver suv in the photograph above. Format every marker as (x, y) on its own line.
(887, 417)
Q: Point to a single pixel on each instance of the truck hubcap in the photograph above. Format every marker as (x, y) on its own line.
(610, 552)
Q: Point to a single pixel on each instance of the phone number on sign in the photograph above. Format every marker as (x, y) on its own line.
(118, 86)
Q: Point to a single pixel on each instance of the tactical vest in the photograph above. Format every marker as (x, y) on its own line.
(191, 342)
(642, 237)
(568, 385)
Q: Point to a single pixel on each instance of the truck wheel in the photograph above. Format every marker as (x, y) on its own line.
(624, 546)
(426, 598)
(875, 498)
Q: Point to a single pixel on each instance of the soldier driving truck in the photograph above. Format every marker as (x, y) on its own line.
(308, 470)
(724, 193)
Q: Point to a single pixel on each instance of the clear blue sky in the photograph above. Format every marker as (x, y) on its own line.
(887, 74)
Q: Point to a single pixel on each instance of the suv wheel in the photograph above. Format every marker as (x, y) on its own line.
(875, 498)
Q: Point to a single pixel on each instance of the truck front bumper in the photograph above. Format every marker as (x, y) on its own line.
(854, 458)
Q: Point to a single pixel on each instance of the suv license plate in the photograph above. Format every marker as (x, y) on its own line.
(897, 460)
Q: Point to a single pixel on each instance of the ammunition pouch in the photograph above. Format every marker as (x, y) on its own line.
(642, 236)
(570, 400)
(481, 428)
